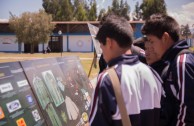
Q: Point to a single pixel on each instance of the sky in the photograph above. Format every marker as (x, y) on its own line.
(181, 10)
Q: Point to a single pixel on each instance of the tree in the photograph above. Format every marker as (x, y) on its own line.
(115, 7)
(137, 11)
(125, 11)
(61, 10)
(32, 28)
(150, 7)
(92, 12)
(121, 9)
(101, 14)
(185, 31)
(66, 11)
(80, 13)
(52, 7)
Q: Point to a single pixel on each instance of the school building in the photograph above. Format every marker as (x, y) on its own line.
(66, 37)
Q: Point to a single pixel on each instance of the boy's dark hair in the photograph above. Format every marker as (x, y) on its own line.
(157, 24)
(117, 28)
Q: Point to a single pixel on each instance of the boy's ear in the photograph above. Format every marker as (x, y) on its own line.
(109, 41)
(165, 37)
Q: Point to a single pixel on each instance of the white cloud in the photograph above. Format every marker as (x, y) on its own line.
(184, 15)
(4, 20)
(188, 7)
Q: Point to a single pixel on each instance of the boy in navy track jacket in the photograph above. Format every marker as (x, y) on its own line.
(141, 86)
(175, 64)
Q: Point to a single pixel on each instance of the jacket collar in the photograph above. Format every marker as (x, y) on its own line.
(124, 59)
(174, 50)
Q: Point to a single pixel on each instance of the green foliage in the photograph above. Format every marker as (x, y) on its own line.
(121, 9)
(150, 7)
(83, 10)
(59, 9)
(101, 14)
(125, 11)
(52, 7)
(32, 28)
(185, 31)
(137, 12)
(68, 10)
(80, 13)
(92, 12)
(137, 8)
(115, 7)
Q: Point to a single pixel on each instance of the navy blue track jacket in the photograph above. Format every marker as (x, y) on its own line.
(141, 89)
(178, 103)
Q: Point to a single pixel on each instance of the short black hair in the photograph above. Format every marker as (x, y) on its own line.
(157, 24)
(140, 42)
(117, 28)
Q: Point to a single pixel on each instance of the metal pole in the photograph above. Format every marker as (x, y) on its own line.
(94, 59)
(61, 42)
(61, 45)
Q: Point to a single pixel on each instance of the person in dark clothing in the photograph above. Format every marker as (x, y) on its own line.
(102, 64)
(48, 50)
(175, 64)
(140, 85)
(138, 47)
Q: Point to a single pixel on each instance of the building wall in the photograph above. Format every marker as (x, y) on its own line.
(80, 43)
(137, 30)
(65, 43)
(42, 47)
(8, 44)
(192, 42)
(75, 43)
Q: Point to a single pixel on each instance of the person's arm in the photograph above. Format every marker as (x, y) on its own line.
(185, 79)
(103, 102)
(102, 64)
